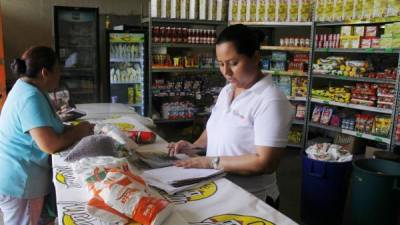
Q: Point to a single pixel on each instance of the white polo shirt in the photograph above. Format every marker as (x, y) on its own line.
(259, 116)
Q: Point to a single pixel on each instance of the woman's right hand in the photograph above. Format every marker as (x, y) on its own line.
(179, 147)
(84, 128)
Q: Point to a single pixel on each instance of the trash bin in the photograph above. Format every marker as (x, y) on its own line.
(323, 191)
(375, 192)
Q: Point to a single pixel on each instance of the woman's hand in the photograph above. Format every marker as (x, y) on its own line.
(84, 128)
(179, 147)
(197, 162)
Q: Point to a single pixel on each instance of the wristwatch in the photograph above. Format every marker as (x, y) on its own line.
(215, 162)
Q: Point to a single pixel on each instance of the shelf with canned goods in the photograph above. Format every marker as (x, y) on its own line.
(352, 106)
(274, 24)
(356, 79)
(360, 50)
(184, 21)
(351, 132)
(183, 45)
(285, 48)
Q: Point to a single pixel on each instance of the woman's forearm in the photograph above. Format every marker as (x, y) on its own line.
(201, 142)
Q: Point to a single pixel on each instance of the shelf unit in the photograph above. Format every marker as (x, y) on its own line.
(181, 47)
(275, 26)
(393, 52)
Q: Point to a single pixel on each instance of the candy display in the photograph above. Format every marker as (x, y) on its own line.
(361, 122)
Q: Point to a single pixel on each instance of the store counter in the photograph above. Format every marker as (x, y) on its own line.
(218, 202)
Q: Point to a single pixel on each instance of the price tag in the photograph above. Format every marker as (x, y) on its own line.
(370, 50)
(388, 50)
(358, 134)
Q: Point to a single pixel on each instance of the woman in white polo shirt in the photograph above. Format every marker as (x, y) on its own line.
(248, 128)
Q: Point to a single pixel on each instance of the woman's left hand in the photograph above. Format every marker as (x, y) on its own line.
(197, 162)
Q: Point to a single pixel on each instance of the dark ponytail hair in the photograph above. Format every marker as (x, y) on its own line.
(245, 40)
(33, 61)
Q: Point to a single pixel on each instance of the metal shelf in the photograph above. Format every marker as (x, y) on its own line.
(285, 73)
(294, 98)
(173, 121)
(361, 79)
(351, 132)
(284, 48)
(360, 50)
(293, 145)
(183, 70)
(182, 45)
(274, 24)
(352, 106)
(184, 21)
(359, 22)
(128, 82)
(124, 60)
(298, 122)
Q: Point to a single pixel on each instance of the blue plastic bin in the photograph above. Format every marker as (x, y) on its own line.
(323, 191)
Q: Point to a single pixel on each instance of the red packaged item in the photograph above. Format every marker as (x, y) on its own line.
(371, 31)
(142, 137)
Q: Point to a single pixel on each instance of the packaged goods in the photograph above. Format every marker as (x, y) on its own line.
(304, 10)
(221, 10)
(90, 146)
(375, 42)
(165, 8)
(131, 95)
(282, 11)
(272, 10)
(358, 9)
(393, 8)
(329, 10)
(175, 9)
(202, 9)
(380, 8)
(300, 111)
(367, 9)
(193, 9)
(184, 14)
(354, 41)
(348, 6)
(316, 115)
(346, 31)
(366, 43)
(319, 10)
(262, 8)
(338, 10)
(242, 10)
(371, 31)
(293, 10)
(142, 137)
(155, 8)
(326, 115)
(212, 10)
(335, 121)
(359, 30)
(382, 126)
(252, 11)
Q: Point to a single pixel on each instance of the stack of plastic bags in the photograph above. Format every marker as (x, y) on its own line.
(117, 194)
(328, 152)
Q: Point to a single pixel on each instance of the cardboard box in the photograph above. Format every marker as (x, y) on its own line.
(369, 151)
(359, 30)
(371, 31)
(346, 31)
(366, 43)
(352, 144)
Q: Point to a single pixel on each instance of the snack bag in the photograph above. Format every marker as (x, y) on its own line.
(271, 12)
(319, 10)
(393, 8)
(293, 10)
(304, 11)
(338, 10)
(367, 9)
(282, 11)
(261, 11)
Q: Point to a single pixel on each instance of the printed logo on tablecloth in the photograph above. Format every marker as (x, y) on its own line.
(65, 176)
(74, 213)
(235, 219)
(195, 194)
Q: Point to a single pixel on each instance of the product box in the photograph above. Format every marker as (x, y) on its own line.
(344, 42)
(184, 9)
(380, 8)
(202, 9)
(272, 10)
(221, 10)
(282, 11)
(385, 42)
(193, 10)
(304, 11)
(293, 10)
(354, 41)
(175, 9)
(375, 42)
(366, 42)
(369, 151)
(212, 10)
(346, 30)
(155, 8)
(359, 30)
(393, 8)
(338, 10)
(371, 31)
(367, 9)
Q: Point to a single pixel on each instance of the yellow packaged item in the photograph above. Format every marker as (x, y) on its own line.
(293, 10)
(282, 10)
(242, 10)
(354, 41)
(329, 10)
(319, 10)
(253, 10)
(380, 8)
(338, 10)
(271, 12)
(348, 9)
(385, 42)
(261, 11)
(367, 9)
(393, 8)
(344, 42)
(304, 10)
(346, 30)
